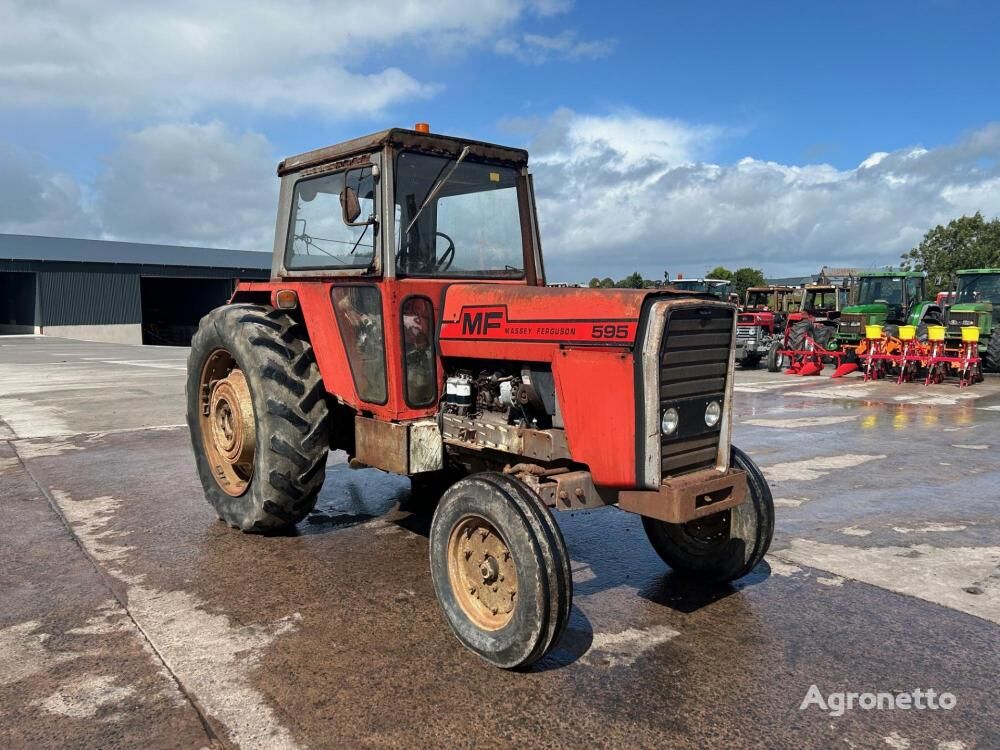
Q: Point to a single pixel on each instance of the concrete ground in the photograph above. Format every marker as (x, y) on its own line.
(132, 618)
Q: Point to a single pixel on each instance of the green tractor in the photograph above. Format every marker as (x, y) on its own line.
(976, 296)
(889, 299)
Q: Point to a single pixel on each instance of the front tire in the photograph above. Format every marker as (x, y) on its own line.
(257, 412)
(725, 545)
(775, 360)
(500, 570)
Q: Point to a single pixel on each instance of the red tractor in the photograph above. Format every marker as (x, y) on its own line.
(815, 319)
(761, 321)
(407, 323)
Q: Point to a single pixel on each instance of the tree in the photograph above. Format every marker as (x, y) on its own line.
(719, 273)
(594, 283)
(632, 281)
(607, 283)
(744, 278)
(966, 242)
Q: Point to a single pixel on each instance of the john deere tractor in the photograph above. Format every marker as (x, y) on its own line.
(976, 297)
(889, 299)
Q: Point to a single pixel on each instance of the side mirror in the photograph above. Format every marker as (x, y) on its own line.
(350, 206)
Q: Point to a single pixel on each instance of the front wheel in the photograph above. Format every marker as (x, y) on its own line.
(775, 360)
(500, 569)
(257, 412)
(725, 545)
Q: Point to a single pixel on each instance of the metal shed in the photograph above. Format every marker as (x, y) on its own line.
(122, 292)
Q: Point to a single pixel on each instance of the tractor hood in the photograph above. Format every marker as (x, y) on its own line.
(971, 307)
(876, 308)
(558, 315)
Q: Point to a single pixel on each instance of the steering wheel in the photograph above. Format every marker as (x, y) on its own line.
(444, 262)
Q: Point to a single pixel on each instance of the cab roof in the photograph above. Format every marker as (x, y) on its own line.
(978, 270)
(906, 274)
(443, 145)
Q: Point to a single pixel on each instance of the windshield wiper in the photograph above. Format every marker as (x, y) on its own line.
(436, 188)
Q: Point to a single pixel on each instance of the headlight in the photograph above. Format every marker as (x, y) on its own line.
(713, 412)
(668, 425)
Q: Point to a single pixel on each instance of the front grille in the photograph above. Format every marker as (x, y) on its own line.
(745, 332)
(694, 361)
(957, 321)
(852, 324)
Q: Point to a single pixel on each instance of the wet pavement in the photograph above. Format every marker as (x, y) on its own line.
(131, 617)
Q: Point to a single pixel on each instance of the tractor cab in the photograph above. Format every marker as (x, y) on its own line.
(976, 302)
(776, 299)
(824, 301)
(721, 288)
(886, 298)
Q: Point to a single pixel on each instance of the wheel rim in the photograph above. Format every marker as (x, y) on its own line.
(707, 533)
(482, 573)
(228, 426)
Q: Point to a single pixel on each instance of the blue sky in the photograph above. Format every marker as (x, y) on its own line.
(664, 135)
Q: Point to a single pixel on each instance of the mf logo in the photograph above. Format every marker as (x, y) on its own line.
(480, 323)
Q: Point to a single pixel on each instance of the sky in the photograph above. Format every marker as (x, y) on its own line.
(664, 136)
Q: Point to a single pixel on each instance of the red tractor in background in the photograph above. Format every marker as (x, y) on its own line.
(408, 324)
(816, 319)
(761, 322)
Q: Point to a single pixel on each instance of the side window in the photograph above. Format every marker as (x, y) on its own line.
(318, 236)
(418, 351)
(914, 289)
(359, 316)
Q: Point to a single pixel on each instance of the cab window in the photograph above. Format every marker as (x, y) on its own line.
(318, 236)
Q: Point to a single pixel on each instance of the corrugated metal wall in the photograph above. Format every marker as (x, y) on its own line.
(102, 293)
(70, 298)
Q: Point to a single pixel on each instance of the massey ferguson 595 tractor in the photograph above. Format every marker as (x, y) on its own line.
(407, 323)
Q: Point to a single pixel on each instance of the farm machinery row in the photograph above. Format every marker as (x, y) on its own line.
(891, 331)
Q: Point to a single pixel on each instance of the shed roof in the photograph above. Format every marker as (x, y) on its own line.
(65, 249)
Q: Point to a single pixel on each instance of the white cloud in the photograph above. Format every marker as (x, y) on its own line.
(181, 59)
(192, 185)
(616, 194)
(36, 199)
(536, 49)
(627, 192)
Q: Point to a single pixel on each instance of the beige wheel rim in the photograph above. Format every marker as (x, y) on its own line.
(228, 426)
(482, 573)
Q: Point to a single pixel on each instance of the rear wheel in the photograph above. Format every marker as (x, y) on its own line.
(500, 570)
(723, 546)
(823, 335)
(797, 336)
(991, 358)
(257, 413)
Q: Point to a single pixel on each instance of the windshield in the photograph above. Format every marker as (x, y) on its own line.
(759, 299)
(470, 228)
(820, 300)
(718, 288)
(888, 289)
(979, 288)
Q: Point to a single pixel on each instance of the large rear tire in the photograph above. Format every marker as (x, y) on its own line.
(500, 570)
(723, 546)
(797, 336)
(991, 357)
(823, 335)
(257, 411)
